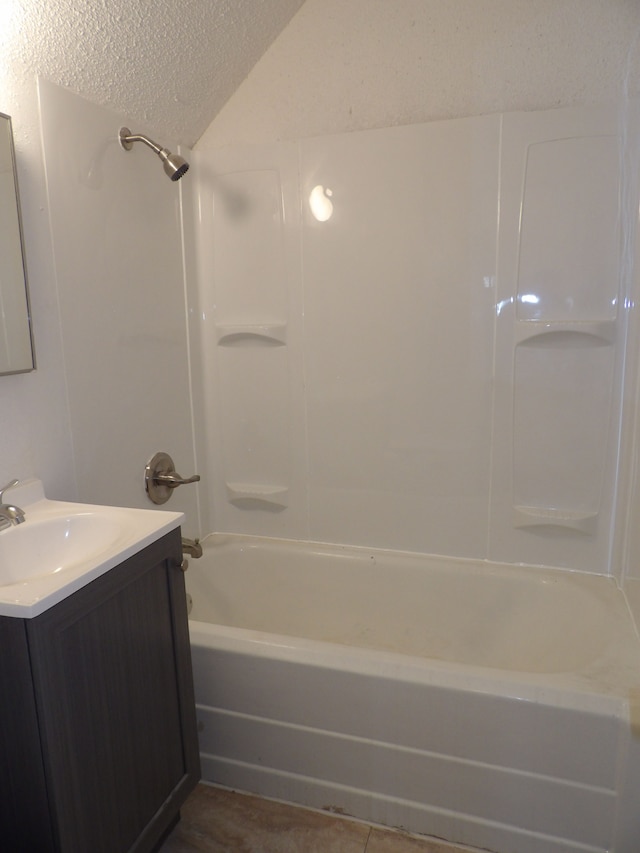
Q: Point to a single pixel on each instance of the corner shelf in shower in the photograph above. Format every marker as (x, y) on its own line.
(531, 516)
(252, 335)
(255, 495)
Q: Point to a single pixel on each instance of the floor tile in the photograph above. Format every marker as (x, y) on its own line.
(219, 821)
(215, 820)
(386, 841)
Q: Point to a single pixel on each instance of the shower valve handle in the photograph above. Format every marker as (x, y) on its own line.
(161, 478)
(172, 479)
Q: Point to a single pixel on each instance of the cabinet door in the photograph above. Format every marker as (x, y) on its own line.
(24, 809)
(113, 685)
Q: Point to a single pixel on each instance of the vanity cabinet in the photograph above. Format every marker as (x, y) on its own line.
(98, 740)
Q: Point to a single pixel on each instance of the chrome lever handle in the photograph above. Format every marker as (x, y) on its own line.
(161, 478)
(172, 479)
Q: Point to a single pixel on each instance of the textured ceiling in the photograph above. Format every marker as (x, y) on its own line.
(171, 64)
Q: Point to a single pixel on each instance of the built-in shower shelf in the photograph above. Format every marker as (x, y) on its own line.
(252, 335)
(576, 334)
(255, 495)
(529, 516)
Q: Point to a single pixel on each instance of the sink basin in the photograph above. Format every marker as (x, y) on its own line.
(41, 547)
(62, 546)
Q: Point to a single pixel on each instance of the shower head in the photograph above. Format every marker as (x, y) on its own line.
(174, 165)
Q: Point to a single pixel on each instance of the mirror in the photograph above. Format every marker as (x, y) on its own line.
(16, 347)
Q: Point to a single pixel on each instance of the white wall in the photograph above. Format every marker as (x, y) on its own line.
(112, 380)
(35, 437)
(117, 234)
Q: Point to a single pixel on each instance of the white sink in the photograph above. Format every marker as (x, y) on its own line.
(41, 547)
(62, 546)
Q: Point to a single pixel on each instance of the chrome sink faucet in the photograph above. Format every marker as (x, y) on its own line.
(9, 514)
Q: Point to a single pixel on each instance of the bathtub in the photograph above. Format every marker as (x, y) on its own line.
(490, 705)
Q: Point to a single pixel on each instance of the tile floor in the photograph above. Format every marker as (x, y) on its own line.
(219, 821)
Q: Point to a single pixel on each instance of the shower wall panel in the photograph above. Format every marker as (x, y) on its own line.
(414, 337)
(116, 230)
(560, 338)
(399, 289)
(250, 305)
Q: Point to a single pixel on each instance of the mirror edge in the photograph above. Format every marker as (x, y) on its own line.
(23, 253)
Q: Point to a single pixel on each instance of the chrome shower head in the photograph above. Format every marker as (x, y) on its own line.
(174, 165)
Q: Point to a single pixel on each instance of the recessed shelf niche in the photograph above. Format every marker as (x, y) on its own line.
(252, 335)
(565, 328)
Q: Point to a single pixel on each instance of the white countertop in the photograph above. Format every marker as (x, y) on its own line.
(62, 546)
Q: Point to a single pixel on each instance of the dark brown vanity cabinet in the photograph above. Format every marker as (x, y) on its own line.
(98, 742)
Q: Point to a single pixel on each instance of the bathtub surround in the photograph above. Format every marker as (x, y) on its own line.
(385, 391)
(437, 366)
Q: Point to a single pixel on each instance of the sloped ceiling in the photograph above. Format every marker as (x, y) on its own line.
(171, 64)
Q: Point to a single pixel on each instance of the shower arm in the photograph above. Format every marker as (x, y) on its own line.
(127, 140)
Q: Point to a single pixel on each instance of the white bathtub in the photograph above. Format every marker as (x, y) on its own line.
(494, 706)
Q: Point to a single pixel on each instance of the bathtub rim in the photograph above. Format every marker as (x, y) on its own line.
(570, 692)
